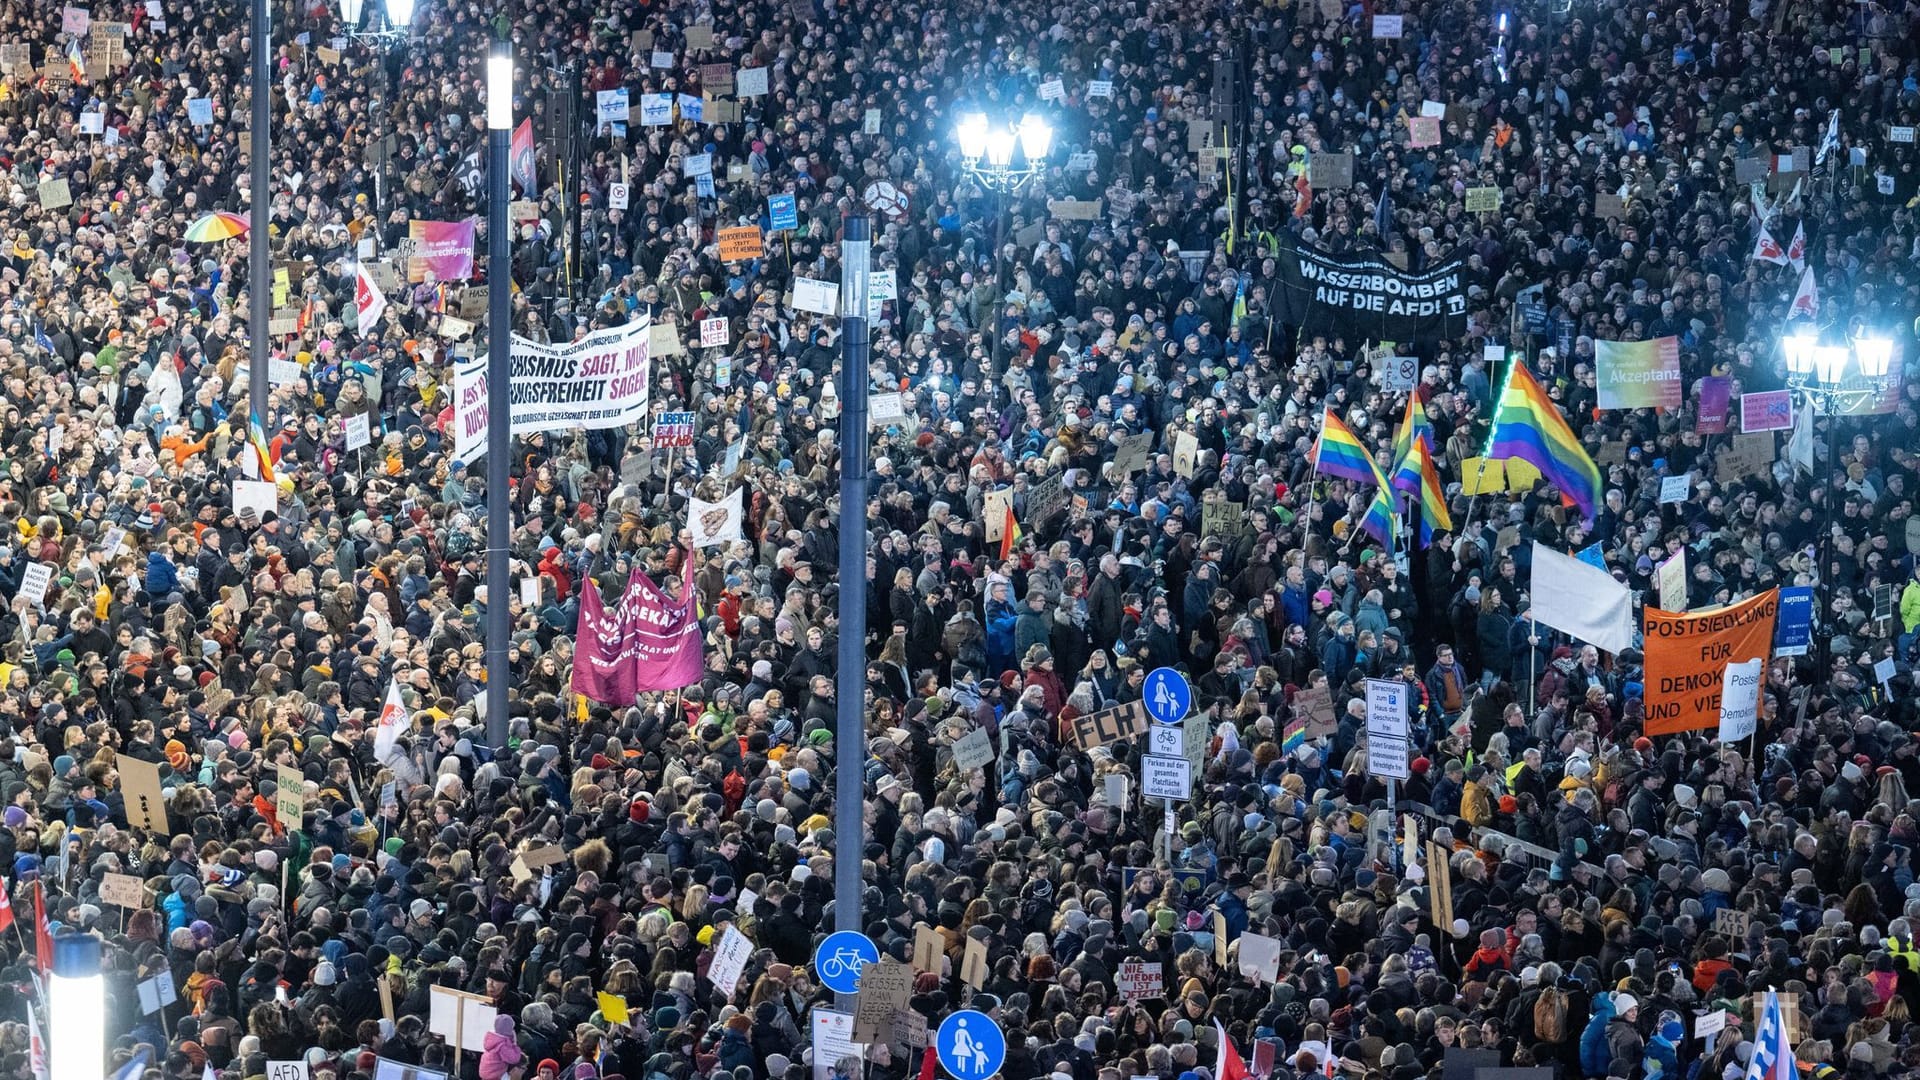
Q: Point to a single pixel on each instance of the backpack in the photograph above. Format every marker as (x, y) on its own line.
(1550, 1015)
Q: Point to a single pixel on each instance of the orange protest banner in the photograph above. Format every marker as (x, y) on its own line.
(1687, 658)
(740, 243)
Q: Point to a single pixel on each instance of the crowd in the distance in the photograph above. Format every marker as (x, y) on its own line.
(1588, 864)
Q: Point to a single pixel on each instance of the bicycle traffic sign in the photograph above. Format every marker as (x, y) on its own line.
(1168, 695)
(840, 959)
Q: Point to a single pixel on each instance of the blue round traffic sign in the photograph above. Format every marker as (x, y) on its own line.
(970, 1045)
(1167, 695)
(838, 961)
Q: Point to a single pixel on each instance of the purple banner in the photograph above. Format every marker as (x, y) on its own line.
(649, 642)
(1716, 397)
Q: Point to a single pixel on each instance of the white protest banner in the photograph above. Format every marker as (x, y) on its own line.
(750, 82)
(972, 751)
(714, 331)
(656, 110)
(884, 409)
(600, 381)
(200, 111)
(697, 165)
(729, 961)
(1670, 581)
(93, 123)
(33, 583)
(619, 196)
(1673, 489)
(1053, 90)
(1740, 701)
(1388, 26)
(1101, 88)
(359, 430)
(1260, 957)
(1136, 980)
(610, 106)
(287, 1070)
(462, 1019)
(716, 523)
(661, 58)
(833, 1042)
(820, 297)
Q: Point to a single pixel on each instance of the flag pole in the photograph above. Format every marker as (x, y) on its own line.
(1486, 447)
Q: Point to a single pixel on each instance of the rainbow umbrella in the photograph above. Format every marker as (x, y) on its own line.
(215, 227)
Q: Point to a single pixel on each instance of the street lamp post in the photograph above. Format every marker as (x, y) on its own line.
(850, 706)
(399, 20)
(1000, 159)
(1822, 374)
(259, 272)
(76, 1010)
(499, 371)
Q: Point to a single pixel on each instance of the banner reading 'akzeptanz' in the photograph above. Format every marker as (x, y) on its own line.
(1362, 296)
(600, 381)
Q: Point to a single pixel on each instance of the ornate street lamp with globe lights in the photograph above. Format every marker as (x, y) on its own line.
(1002, 157)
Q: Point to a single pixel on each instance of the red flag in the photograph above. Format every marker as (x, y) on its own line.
(42, 937)
(928, 1063)
(521, 160)
(6, 909)
(1228, 1066)
(1797, 250)
(1767, 249)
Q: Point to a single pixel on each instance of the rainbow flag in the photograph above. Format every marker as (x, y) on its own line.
(1294, 735)
(1381, 520)
(1341, 453)
(1009, 534)
(1413, 427)
(262, 456)
(1433, 498)
(1528, 425)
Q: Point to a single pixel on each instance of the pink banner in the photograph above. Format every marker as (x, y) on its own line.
(1766, 410)
(442, 248)
(649, 642)
(1716, 395)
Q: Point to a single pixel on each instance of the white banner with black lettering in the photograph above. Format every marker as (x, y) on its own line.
(600, 381)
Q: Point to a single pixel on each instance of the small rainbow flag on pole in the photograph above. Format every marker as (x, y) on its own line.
(1413, 427)
(1433, 498)
(1528, 425)
(1341, 453)
(1381, 521)
(262, 456)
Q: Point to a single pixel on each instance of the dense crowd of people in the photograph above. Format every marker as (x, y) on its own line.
(1604, 890)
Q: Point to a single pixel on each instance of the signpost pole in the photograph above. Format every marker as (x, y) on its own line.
(850, 734)
(499, 626)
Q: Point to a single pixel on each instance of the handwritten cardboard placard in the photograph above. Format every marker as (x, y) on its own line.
(54, 194)
(121, 890)
(1327, 171)
(740, 243)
